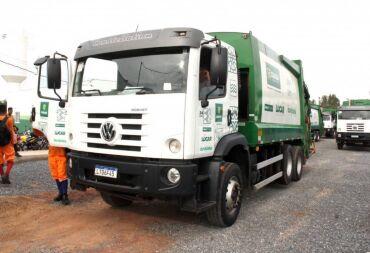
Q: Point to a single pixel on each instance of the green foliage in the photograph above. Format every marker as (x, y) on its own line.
(330, 101)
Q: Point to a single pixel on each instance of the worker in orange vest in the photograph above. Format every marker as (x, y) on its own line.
(7, 140)
(58, 169)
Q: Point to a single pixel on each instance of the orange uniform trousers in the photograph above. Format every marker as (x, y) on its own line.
(58, 163)
(7, 153)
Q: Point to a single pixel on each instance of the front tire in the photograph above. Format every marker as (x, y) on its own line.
(340, 145)
(298, 160)
(229, 197)
(115, 201)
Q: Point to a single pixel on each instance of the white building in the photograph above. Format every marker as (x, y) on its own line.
(17, 73)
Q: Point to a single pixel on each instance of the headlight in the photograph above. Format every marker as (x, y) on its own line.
(339, 135)
(175, 146)
(173, 175)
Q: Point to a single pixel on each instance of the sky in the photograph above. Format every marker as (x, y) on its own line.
(332, 38)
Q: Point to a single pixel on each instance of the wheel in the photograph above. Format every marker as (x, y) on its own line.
(340, 145)
(287, 165)
(298, 160)
(115, 201)
(229, 197)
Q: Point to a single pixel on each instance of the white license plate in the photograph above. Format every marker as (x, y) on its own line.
(354, 136)
(105, 171)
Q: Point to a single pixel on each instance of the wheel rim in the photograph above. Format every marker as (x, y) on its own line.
(233, 195)
(289, 166)
(299, 166)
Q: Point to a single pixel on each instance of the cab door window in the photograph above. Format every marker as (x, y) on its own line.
(205, 85)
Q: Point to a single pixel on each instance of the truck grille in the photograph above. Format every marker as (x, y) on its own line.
(355, 127)
(130, 131)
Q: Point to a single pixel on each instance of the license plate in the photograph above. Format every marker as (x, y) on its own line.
(354, 136)
(105, 171)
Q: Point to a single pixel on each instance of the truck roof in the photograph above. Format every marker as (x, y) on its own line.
(354, 108)
(168, 37)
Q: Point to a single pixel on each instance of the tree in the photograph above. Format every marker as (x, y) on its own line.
(330, 101)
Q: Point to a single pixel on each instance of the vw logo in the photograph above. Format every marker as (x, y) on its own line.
(108, 131)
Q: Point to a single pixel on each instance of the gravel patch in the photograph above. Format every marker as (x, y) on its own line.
(29, 178)
(327, 211)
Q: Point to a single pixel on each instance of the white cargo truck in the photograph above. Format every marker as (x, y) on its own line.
(353, 126)
(330, 124)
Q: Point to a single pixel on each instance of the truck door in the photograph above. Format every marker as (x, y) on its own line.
(220, 116)
(50, 107)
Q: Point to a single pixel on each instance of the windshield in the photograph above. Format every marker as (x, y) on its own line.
(362, 115)
(160, 71)
(326, 117)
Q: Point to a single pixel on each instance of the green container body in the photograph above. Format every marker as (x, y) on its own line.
(332, 111)
(357, 102)
(247, 49)
(320, 126)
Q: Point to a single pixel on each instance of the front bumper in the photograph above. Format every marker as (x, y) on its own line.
(353, 137)
(135, 176)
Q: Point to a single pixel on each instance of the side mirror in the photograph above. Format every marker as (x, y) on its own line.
(218, 68)
(54, 73)
(41, 61)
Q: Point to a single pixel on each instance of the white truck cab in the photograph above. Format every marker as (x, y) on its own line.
(353, 126)
(140, 112)
(330, 124)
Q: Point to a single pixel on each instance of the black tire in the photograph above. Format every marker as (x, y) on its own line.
(115, 201)
(340, 145)
(287, 165)
(298, 160)
(230, 188)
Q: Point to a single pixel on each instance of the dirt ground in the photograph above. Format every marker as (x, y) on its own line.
(29, 223)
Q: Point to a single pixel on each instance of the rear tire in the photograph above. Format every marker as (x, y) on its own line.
(115, 201)
(229, 197)
(287, 165)
(340, 145)
(298, 160)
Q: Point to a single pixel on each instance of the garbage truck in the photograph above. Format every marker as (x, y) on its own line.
(353, 123)
(317, 124)
(329, 116)
(176, 114)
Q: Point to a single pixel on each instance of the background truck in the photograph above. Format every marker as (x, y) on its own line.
(353, 123)
(317, 124)
(329, 116)
(177, 114)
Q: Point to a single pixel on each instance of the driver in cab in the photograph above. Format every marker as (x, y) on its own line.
(205, 86)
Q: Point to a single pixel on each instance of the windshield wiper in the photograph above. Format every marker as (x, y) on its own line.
(94, 90)
(144, 90)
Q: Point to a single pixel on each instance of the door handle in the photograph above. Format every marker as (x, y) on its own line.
(228, 117)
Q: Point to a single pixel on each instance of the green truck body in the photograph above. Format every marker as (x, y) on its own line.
(317, 124)
(257, 131)
(357, 102)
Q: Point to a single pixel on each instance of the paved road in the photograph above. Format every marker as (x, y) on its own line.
(327, 211)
